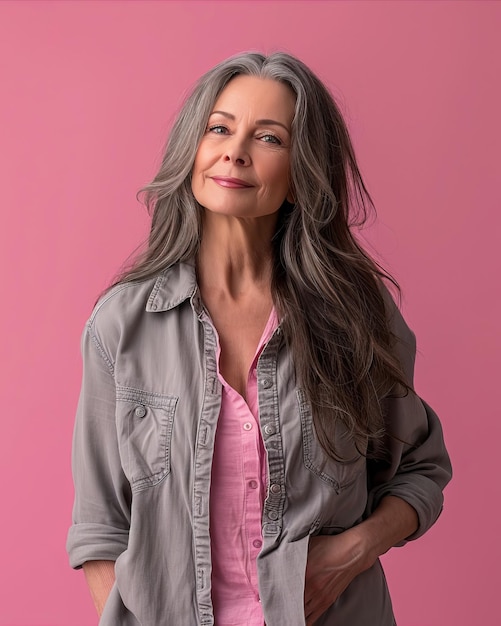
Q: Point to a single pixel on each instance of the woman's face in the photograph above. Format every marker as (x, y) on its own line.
(241, 167)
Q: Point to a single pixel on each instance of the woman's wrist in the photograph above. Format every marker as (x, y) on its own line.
(100, 576)
(392, 522)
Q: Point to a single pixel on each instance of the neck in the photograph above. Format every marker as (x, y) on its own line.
(235, 254)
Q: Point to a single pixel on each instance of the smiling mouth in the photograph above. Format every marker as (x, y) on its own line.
(231, 183)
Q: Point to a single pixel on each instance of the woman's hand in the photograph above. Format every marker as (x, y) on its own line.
(333, 562)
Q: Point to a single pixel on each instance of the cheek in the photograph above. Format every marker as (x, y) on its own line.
(279, 177)
(196, 165)
(197, 170)
(202, 157)
(196, 181)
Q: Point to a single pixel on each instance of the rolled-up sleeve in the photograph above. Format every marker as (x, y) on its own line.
(417, 467)
(101, 512)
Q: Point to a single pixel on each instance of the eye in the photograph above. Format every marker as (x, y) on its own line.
(217, 129)
(269, 138)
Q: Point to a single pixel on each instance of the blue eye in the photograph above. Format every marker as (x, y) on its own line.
(268, 138)
(217, 129)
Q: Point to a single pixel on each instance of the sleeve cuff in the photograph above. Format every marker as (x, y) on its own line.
(95, 542)
(423, 494)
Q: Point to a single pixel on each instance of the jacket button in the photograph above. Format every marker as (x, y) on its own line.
(140, 411)
(269, 429)
(275, 488)
(267, 383)
(273, 515)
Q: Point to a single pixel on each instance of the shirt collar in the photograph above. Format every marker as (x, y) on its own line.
(172, 287)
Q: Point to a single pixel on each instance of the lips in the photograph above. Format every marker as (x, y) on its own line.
(231, 183)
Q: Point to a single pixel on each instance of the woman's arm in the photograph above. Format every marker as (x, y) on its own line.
(100, 576)
(405, 491)
(101, 511)
(335, 560)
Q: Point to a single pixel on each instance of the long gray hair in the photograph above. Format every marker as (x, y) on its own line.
(327, 290)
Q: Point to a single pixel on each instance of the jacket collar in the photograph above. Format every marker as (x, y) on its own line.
(172, 287)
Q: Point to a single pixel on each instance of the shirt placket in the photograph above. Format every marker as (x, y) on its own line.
(251, 444)
(270, 429)
(202, 471)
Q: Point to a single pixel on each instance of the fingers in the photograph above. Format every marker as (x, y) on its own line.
(316, 603)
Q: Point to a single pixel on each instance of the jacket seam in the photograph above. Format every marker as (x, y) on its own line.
(101, 350)
(108, 296)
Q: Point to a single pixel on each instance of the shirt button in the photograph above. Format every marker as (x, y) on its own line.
(269, 429)
(257, 543)
(140, 411)
(273, 515)
(267, 383)
(275, 489)
(253, 484)
(247, 426)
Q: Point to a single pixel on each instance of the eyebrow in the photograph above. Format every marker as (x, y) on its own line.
(265, 122)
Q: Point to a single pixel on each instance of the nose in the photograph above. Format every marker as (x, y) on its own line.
(235, 152)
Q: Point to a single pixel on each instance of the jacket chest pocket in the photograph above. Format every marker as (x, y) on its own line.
(336, 474)
(144, 422)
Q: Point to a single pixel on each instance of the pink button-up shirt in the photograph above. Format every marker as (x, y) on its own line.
(238, 490)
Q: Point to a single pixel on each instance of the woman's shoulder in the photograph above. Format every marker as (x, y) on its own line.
(396, 322)
(123, 305)
(403, 337)
(121, 298)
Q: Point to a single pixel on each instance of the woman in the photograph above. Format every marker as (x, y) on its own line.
(248, 441)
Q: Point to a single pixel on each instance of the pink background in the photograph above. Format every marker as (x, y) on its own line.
(88, 90)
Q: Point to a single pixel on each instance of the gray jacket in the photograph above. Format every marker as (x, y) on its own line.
(142, 456)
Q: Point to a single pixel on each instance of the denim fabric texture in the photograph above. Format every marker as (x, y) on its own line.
(142, 453)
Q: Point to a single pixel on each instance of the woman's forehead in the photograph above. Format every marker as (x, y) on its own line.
(268, 98)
